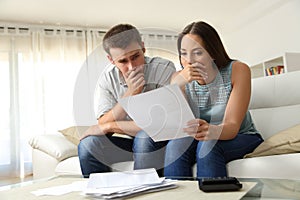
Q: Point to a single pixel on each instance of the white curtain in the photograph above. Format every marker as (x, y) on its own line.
(48, 76)
(38, 71)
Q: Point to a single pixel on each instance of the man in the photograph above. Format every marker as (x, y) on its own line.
(131, 73)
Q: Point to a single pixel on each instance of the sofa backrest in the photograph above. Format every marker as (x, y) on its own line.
(275, 102)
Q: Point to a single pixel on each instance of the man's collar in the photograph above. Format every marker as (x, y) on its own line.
(122, 80)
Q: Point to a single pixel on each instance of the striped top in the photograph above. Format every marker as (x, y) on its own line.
(209, 101)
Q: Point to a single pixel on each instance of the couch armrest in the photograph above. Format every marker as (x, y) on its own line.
(56, 145)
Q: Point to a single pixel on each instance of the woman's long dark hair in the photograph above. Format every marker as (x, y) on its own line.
(211, 39)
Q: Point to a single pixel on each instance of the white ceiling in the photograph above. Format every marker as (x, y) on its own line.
(163, 14)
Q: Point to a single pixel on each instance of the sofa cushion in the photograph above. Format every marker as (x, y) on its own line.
(287, 141)
(73, 133)
(69, 166)
(284, 166)
(55, 145)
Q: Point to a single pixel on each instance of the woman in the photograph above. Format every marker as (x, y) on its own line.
(218, 90)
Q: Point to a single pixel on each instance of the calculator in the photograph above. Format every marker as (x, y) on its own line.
(219, 184)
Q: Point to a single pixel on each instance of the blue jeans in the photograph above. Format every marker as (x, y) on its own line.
(147, 153)
(97, 153)
(211, 156)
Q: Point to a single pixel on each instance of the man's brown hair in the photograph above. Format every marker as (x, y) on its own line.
(121, 36)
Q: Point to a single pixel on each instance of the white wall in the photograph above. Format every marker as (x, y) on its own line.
(270, 29)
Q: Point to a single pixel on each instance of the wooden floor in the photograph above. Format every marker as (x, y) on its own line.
(10, 181)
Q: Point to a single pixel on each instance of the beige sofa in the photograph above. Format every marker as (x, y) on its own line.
(275, 108)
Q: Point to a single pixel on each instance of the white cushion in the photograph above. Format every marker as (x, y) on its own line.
(43, 165)
(70, 166)
(270, 121)
(55, 145)
(122, 166)
(275, 91)
(276, 166)
(262, 92)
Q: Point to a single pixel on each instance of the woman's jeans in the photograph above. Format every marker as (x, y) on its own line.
(211, 156)
(97, 153)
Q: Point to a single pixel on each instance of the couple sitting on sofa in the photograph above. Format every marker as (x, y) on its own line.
(217, 89)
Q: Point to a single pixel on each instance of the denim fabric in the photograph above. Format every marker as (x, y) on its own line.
(97, 153)
(211, 156)
(147, 153)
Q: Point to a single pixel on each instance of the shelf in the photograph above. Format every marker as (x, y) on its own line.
(288, 62)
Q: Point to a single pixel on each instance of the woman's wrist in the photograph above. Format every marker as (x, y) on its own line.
(180, 80)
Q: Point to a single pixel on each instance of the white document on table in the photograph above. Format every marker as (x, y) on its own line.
(120, 184)
(126, 178)
(162, 113)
